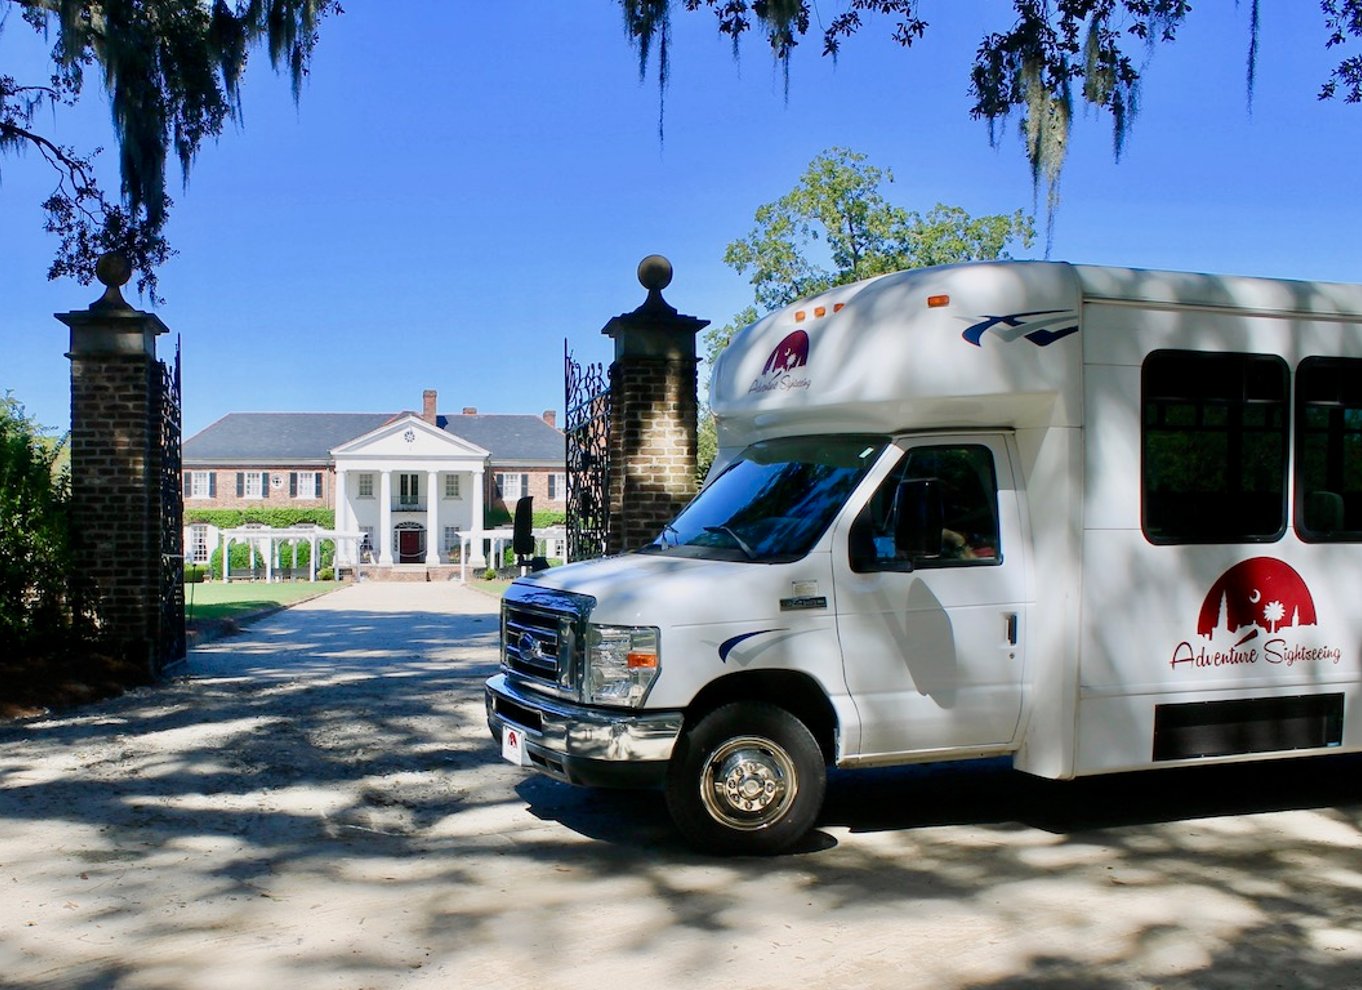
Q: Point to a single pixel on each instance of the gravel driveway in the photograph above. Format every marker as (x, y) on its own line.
(317, 803)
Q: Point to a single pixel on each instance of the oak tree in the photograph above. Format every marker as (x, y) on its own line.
(1051, 54)
(172, 71)
(837, 225)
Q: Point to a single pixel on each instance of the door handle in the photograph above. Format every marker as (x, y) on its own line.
(1010, 623)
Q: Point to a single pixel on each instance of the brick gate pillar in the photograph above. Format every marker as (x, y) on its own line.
(653, 412)
(116, 462)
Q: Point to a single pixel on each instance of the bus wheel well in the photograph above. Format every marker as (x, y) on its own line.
(799, 694)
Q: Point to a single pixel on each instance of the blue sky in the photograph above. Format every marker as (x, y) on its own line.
(464, 186)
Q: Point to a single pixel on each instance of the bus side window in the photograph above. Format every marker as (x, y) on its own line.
(953, 491)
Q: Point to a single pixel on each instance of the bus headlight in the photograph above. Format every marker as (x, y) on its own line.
(621, 664)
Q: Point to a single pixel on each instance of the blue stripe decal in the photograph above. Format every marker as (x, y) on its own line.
(1044, 338)
(1014, 325)
(728, 645)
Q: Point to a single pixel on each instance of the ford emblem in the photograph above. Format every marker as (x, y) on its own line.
(531, 649)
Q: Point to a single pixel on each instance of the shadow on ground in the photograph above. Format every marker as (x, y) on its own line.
(319, 802)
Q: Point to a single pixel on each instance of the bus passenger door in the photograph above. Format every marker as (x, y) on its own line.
(931, 586)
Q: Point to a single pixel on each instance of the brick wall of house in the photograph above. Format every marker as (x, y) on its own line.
(224, 485)
(538, 479)
(278, 497)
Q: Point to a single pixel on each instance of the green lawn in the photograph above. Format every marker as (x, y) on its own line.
(216, 600)
(493, 588)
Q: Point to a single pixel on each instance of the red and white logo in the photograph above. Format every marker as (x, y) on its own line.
(1260, 592)
(781, 370)
(1255, 613)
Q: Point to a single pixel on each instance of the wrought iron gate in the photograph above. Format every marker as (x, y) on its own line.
(587, 433)
(165, 411)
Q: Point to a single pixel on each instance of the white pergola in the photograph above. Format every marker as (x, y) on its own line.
(548, 542)
(267, 539)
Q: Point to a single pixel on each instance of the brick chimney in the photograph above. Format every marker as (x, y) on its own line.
(470, 410)
(551, 418)
(428, 406)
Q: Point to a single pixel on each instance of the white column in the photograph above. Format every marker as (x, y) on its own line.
(385, 519)
(226, 549)
(478, 558)
(432, 519)
(340, 501)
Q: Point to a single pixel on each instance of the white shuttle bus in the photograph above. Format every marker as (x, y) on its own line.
(1092, 518)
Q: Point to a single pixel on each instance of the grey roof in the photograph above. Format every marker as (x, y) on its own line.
(301, 438)
(509, 439)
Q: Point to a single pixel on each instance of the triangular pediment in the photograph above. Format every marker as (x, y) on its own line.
(409, 436)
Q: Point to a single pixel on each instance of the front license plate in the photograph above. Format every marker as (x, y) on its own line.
(513, 746)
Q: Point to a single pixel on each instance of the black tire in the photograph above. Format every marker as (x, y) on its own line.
(747, 779)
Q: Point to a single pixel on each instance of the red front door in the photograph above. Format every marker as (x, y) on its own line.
(410, 546)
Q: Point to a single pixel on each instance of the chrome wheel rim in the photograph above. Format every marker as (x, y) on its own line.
(748, 783)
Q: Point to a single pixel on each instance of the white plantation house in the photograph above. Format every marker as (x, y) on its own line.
(412, 492)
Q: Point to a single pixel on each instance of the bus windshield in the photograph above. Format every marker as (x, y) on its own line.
(773, 503)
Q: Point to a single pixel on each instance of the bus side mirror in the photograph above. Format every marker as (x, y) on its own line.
(919, 518)
(862, 545)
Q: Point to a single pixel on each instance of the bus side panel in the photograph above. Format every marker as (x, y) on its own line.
(1204, 651)
(1052, 468)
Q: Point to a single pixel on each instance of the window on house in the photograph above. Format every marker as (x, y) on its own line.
(512, 486)
(368, 548)
(1329, 450)
(366, 486)
(452, 486)
(252, 484)
(451, 542)
(409, 489)
(1214, 447)
(305, 484)
(202, 484)
(557, 487)
(198, 544)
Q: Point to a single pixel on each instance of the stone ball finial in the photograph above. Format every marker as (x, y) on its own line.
(655, 272)
(113, 269)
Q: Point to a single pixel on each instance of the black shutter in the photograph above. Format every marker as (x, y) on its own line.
(293, 484)
(240, 484)
(318, 486)
(212, 484)
(264, 484)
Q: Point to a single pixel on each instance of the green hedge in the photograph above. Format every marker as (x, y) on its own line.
(543, 518)
(275, 518)
(243, 556)
(38, 603)
(326, 553)
(242, 552)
